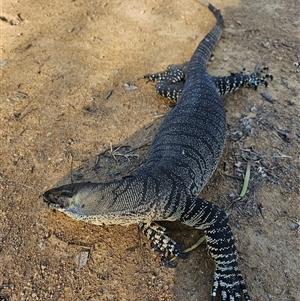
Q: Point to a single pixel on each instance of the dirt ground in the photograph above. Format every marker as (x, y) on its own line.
(70, 91)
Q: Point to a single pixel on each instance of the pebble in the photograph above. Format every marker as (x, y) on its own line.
(294, 226)
(42, 246)
(3, 63)
(292, 102)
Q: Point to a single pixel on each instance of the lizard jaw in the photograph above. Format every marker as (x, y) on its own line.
(64, 197)
(59, 197)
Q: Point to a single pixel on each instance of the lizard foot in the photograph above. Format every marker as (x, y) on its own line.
(257, 77)
(230, 282)
(170, 82)
(160, 242)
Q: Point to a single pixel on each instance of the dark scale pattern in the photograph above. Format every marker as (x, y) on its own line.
(185, 152)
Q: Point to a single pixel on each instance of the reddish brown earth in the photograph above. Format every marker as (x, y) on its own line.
(59, 60)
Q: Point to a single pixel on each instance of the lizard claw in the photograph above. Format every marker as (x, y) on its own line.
(257, 77)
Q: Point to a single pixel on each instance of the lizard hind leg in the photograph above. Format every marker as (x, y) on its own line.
(235, 81)
(259, 76)
(162, 243)
(170, 82)
(172, 91)
(173, 73)
(228, 280)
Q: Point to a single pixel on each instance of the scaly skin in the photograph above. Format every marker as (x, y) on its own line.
(185, 152)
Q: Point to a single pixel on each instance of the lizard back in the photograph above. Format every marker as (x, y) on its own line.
(191, 137)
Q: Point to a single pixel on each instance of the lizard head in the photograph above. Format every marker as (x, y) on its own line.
(96, 203)
(89, 202)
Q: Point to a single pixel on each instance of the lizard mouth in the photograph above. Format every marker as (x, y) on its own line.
(59, 197)
(68, 197)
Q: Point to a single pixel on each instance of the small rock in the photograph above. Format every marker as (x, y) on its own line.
(296, 64)
(3, 63)
(42, 246)
(292, 102)
(194, 37)
(294, 226)
(82, 258)
(238, 164)
(130, 87)
(265, 45)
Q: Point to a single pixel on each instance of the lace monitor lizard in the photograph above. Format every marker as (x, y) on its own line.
(184, 154)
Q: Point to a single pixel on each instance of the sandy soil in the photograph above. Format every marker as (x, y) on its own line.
(68, 73)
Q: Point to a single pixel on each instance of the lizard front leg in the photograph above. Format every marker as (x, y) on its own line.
(162, 243)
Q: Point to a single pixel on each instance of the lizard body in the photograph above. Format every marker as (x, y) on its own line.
(184, 154)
